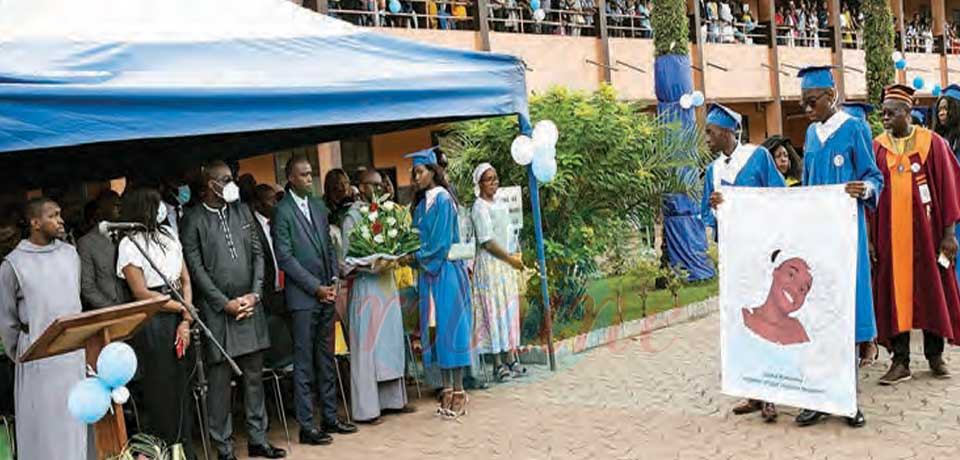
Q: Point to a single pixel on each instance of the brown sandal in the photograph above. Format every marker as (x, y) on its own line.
(458, 406)
(446, 400)
(747, 407)
(768, 412)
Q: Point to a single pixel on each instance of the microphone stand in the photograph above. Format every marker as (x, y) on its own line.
(202, 386)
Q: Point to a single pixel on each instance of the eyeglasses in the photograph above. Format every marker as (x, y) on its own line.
(811, 101)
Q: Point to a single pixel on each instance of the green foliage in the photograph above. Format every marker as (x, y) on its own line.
(878, 39)
(671, 30)
(675, 278)
(615, 160)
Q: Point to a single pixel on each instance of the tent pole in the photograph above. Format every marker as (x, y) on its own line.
(541, 258)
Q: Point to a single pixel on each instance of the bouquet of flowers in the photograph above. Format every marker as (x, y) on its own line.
(385, 231)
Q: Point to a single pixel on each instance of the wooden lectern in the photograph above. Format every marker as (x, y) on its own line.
(92, 331)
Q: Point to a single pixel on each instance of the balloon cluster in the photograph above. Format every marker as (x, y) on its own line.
(538, 13)
(538, 151)
(937, 90)
(90, 398)
(694, 99)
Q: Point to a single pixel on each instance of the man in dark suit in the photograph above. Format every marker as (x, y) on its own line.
(305, 253)
(280, 354)
(99, 285)
(225, 259)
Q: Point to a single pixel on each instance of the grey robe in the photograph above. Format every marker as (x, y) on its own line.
(377, 352)
(216, 277)
(37, 285)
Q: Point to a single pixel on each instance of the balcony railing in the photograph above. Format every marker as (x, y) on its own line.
(413, 14)
(749, 33)
(810, 38)
(521, 19)
(629, 25)
(919, 43)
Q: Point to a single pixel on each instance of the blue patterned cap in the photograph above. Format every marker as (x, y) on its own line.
(952, 91)
(424, 157)
(815, 77)
(858, 109)
(920, 113)
(723, 117)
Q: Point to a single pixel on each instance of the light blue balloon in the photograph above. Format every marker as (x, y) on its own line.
(544, 168)
(937, 90)
(89, 400)
(918, 82)
(116, 364)
(901, 64)
(698, 99)
(394, 6)
(534, 5)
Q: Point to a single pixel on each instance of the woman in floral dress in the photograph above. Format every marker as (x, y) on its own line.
(496, 298)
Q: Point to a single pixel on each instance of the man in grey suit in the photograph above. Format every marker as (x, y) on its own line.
(99, 285)
(225, 259)
(305, 253)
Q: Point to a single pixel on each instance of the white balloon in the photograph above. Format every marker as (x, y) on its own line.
(539, 15)
(543, 149)
(522, 150)
(897, 56)
(545, 131)
(120, 395)
(686, 101)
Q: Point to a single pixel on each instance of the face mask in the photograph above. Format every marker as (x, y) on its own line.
(183, 194)
(162, 213)
(230, 192)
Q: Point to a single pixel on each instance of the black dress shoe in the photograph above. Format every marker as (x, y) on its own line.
(226, 457)
(315, 438)
(340, 428)
(809, 417)
(857, 421)
(265, 451)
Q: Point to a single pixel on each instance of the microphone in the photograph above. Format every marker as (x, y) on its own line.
(105, 228)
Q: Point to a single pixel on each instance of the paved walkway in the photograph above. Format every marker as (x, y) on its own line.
(657, 397)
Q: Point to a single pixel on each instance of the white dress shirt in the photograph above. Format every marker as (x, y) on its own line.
(303, 204)
(265, 225)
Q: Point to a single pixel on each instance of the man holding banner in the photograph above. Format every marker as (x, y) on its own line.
(741, 165)
(837, 150)
(912, 231)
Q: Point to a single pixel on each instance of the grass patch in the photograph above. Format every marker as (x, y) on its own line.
(601, 305)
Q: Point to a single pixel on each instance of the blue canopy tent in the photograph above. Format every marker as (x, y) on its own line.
(101, 88)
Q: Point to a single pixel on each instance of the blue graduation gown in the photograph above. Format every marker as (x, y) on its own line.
(446, 281)
(846, 156)
(758, 170)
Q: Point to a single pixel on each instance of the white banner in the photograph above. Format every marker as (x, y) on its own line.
(788, 259)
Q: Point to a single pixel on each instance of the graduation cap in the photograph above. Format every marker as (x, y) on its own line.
(423, 157)
(952, 91)
(899, 93)
(858, 109)
(815, 77)
(723, 117)
(920, 114)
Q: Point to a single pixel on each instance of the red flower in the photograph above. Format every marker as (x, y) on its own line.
(377, 228)
(374, 207)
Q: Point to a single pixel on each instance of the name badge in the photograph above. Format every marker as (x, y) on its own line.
(924, 193)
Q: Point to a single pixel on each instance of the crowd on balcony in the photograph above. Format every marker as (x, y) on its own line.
(727, 21)
(798, 22)
(919, 33)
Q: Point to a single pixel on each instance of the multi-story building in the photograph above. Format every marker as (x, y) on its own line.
(747, 59)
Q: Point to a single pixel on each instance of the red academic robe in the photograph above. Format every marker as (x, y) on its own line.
(907, 252)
